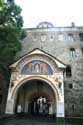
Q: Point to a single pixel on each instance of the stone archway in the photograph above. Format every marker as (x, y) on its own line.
(10, 107)
(45, 80)
(29, 94)
(37, 65)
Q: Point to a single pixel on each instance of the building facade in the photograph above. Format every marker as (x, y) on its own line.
(48, 76)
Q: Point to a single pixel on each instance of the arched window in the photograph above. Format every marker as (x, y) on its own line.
(70, 37)
(45, 25)
(72, 52)
(1, 97)
(34, 37)
(43, 37)
(51, 37)
(68, 71)
(71, 86)
(82, 50)
(60, 37)
(81, 36)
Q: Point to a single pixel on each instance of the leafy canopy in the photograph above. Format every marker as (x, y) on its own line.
(11, 32)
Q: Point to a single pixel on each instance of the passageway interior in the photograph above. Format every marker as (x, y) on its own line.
(35, 97)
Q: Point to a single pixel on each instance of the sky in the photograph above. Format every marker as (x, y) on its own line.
(58, 12)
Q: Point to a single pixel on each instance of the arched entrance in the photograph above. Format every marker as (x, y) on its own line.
(35, 97)
(36, 85)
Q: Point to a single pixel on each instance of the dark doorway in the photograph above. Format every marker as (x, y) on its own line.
(40, 106)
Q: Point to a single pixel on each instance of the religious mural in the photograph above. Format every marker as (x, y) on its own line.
(37, 67)
(36, 57)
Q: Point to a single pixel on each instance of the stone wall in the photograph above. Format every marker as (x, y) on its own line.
(55, 41)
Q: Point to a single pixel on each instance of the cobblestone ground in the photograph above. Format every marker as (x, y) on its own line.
(30, 120)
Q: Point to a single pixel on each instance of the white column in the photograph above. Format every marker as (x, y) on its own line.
(9, 107)
(60, 103)
(60, 109)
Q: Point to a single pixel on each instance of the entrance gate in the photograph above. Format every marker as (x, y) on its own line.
(39, 66)
(35, 97)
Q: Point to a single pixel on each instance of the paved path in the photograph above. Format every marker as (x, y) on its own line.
(30, 120)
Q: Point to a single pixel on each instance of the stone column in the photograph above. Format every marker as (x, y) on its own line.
(10, 107)
(60, 109)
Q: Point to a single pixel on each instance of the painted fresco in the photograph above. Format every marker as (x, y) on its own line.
(37, 67)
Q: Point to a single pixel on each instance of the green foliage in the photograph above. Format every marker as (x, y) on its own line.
(11, 33)
(10, 15)
(23, 34)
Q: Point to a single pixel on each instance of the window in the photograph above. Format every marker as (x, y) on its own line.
(51, 38)
(70, 37)
(82, 50)
(70, 86)
(72, 52)
(73, 86)
(1, 99)
(73, 107)
(43, 37)
(41, 47)
(34, 37)
(81, 36)
(68, 71)
(60, 37)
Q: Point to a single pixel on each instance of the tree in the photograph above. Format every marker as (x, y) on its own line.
(11, 33)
